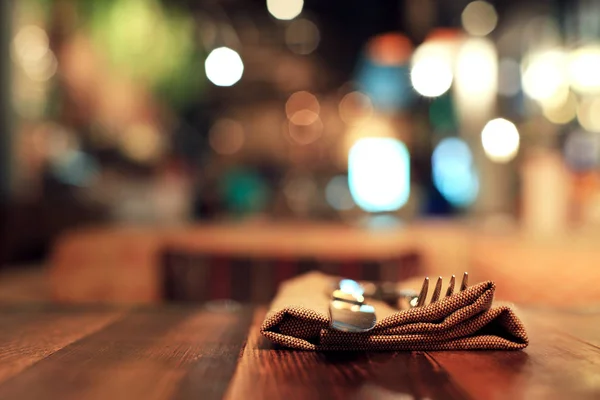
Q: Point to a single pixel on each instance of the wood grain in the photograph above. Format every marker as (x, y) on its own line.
(198, 353)
(556, 365)
(270, 373)
(26, 338)
(146, 355)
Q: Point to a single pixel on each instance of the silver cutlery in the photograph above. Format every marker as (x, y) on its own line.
(348, 310)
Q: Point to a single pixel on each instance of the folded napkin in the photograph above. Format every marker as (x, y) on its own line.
(468, 320)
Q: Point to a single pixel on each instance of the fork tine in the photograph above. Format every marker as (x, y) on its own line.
(437, 291)
(465, 282)
(423, 293)
(451, 286)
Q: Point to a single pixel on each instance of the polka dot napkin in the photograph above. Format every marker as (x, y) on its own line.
(467, 320)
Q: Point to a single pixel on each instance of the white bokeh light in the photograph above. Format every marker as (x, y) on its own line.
(431, 73)
(379, 174)
(500, 140)
(583, 67)
(224, 67)
(285, 9)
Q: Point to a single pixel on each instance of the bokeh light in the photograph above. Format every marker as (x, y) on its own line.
(431, 73)
(588, 114)
(477, 73)
(226, 136)
(30, 44)
(302, 36)
(285, 9)
(224, 67)
(544, 76)
(355, 107)
(379, 174)
(479, 18)
(453, 172)
(389, 49)
(500, 140)
(561, 113)
(584, 67)
(305, 127)
(337, 193)
(300, 101)
(143, 143)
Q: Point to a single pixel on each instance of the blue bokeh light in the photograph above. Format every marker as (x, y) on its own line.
(453, 172)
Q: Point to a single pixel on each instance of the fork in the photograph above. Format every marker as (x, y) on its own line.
(419, 301)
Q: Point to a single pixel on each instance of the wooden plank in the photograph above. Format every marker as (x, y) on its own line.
(554, 366)
(266, 372)
(28, 337)
(149, 354)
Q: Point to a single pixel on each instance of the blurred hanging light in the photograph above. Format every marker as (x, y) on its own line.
(453, 172)
(588, 114)
(285, 9)
(379, 174)
(500, 140)
(544, 76)
(479, 18)
(431, 73)
(562, 113)
(584, 67)
(302, 36)
(355, 107)
(338, 194)
(224, 67)
(226, 136)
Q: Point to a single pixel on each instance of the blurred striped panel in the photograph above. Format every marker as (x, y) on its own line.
(201, 277)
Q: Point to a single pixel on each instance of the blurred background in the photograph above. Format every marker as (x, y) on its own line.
(181, 150)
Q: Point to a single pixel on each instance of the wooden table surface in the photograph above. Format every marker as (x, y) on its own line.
(49, 352)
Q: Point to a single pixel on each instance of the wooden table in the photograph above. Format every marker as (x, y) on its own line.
(49, 352)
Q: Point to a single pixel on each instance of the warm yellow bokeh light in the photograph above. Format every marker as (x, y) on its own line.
(477, 71)
(563, 112)
(584, 69)
(285, 9)
(544, 75)
(588, 114)
(479, 18)
(500, 140)
(143, 143)
(224, 67)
